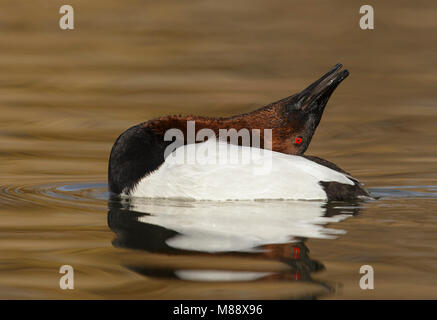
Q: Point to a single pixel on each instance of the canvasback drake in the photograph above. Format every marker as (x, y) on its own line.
(140, 164)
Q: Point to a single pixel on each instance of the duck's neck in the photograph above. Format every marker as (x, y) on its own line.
(270, 117)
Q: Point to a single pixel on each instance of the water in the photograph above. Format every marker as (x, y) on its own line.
(66, 96)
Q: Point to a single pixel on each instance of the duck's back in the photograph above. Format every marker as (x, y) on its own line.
(215, 170)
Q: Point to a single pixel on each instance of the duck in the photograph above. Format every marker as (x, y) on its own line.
(200, 158)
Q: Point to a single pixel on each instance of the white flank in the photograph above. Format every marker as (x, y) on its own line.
(268, 175)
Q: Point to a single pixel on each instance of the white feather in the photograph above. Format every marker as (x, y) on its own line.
(268, 175)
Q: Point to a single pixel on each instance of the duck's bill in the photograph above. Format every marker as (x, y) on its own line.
(313, 99)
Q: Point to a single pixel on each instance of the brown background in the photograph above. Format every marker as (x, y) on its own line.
(66, 95)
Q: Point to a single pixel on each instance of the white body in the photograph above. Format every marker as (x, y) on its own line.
(212, 176)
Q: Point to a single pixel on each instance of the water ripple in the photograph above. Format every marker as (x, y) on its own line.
(96, 193)
(417, 192)
(78, 194)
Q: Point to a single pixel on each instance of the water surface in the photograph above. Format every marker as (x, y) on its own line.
(66, 96)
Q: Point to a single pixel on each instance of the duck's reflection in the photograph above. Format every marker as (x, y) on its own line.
(256, 230)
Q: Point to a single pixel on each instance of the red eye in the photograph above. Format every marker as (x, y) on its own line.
(298, 140)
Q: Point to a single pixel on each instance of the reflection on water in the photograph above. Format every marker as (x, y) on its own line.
(235, 226)
(266, 230)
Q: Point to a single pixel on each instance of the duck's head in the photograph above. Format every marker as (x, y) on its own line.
(302, 112)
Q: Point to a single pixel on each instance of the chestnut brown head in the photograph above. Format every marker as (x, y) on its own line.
(302, 112)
